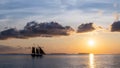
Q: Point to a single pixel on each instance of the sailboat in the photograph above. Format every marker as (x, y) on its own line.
(37, 51)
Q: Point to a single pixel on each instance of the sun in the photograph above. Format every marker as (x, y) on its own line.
(91, 42)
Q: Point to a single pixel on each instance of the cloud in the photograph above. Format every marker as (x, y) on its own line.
(12, 32)
(26, 9)
(68, 12)
(34, 29)
(85, 28)
(115, 26)
(48, 28)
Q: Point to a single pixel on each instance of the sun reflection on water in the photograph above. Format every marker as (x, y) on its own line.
(91, 60)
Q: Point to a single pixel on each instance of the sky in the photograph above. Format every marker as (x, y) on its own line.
(101, 13)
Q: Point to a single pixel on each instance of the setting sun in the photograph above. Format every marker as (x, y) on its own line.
(91, 42)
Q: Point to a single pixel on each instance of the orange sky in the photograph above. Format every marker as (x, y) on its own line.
(105, 43)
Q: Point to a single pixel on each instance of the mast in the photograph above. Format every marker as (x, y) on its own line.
(37, 51)
(41, 51)
(33, 50)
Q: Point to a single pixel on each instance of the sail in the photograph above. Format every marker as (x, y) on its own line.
(41, 51)
(33, 50)
(37, 51)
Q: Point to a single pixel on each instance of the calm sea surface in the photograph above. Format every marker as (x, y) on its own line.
(60, 61)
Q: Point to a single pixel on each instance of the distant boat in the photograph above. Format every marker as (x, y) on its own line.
(37, 51)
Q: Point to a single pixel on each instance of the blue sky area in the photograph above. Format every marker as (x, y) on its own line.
(16, 13)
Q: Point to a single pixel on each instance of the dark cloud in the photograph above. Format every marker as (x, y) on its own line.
(33, 29)
(115, 26)
(9, 33)
(85, 28)
(51, 28)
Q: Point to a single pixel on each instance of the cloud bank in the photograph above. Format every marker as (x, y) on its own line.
(34, 29)
(51, 29)
(85, 28)
(115, 26)
(12, 32)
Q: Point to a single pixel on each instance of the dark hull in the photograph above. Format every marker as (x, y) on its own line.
(36, 55)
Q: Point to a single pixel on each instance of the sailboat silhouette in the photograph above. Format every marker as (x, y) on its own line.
(37, 51)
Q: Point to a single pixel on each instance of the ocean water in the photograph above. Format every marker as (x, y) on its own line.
(60, 61)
